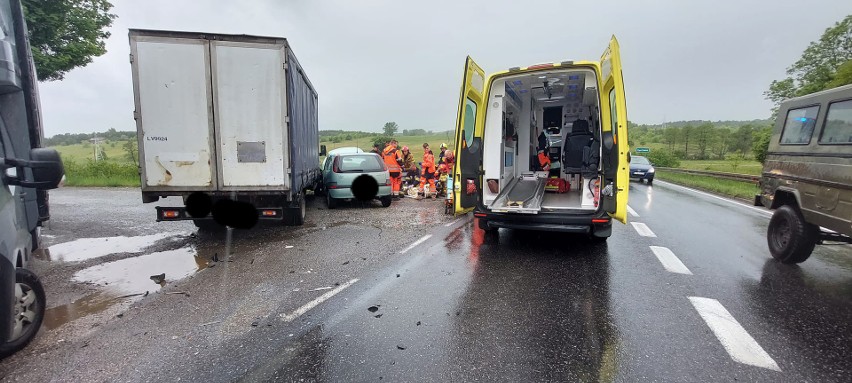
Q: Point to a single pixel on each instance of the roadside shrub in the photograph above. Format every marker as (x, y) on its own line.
(663, 158)
(760, 144)
(101, 173)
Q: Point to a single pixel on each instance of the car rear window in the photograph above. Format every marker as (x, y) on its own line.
(799, 125)
(361, 163)
(838, 124)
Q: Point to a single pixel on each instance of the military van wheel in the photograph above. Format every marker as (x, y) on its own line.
(386, 201)
(790, 238)
(29, 311)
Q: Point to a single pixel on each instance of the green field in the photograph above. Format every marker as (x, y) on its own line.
(81, 153)
(737, 189)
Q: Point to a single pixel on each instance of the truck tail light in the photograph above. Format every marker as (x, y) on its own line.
(171, 213)
(600, 220)
(269, 213)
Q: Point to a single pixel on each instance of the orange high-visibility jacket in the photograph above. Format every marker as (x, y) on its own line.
(428, 162)
(392, 157)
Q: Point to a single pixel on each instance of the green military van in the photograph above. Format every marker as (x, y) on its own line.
(807, 176)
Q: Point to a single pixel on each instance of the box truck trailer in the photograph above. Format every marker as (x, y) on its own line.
(224, 118)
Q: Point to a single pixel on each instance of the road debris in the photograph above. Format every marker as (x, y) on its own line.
(401, 347)
(378, 315)
(158, 279)
(209, 323)
(373, 309)
(321, 288)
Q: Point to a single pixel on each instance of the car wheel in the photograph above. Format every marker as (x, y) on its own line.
(650, 181)
(330, 201)
(28, 314)
(790, 238)
(386, 201)
(483, 224)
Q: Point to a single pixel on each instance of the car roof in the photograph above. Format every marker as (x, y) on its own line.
(346, 150)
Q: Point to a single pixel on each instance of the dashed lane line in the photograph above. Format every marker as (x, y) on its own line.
(417, 242)
(734, 338)
(669, 260)
(632, 212)
(643, 229)
(314, 303)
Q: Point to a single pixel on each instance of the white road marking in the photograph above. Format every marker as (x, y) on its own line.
(757, 209)
(417, 242)
(734, 338)
(669, 260)
(321, 288)
(453, 222)
(631, 211)
(643, 229)
(322, 298)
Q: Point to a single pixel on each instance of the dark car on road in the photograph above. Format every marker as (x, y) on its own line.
(642, 169)
(807, 176)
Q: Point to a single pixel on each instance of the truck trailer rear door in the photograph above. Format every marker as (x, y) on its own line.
(173, 115)
(249, 99)
(615, 149)
(467, 172)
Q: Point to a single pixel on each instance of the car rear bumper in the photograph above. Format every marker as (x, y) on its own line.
(346, 193)
(644, 176)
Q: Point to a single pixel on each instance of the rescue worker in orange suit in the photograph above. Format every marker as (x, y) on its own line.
(428, 171)
(393, 159)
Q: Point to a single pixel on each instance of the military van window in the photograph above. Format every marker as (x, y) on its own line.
(799, 126)
(469, 120)
(838, 124)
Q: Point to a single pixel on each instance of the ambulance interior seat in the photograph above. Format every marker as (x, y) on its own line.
(575, 147)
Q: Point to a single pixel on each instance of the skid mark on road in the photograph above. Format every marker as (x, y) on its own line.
(643, 229)
(417, 242)
(632, 212)
(314, 303)
(734, 338)
(669, 260)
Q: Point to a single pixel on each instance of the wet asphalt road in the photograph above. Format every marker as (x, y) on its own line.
(351, 300)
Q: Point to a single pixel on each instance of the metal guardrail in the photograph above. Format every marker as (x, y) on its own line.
(730, 176)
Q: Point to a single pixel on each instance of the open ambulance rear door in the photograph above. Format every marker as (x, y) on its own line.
(614, 138)
(467, 172)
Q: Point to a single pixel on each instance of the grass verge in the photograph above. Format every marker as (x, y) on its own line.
(102, 173)
(737, 189)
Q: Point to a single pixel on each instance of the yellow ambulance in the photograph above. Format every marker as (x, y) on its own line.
(544, 147)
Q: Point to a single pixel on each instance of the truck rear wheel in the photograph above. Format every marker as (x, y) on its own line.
(207, 225)
(295, 216)
(790, 238)
(29, 311)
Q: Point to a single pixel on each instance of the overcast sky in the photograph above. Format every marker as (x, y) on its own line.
(390, 60)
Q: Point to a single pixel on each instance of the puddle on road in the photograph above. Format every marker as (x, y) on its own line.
(133, 275)
(88, 305)
(90, 248)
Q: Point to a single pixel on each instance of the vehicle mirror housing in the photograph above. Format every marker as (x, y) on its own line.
(323, 151)
(46, 166)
